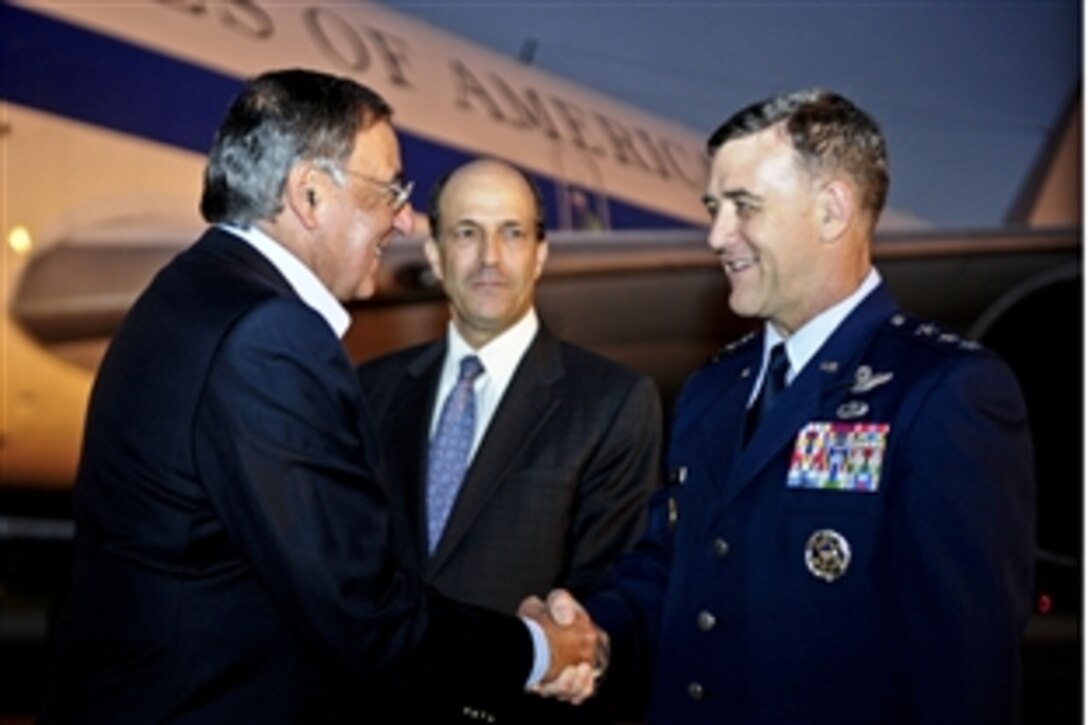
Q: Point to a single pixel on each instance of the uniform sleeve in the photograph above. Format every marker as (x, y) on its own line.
(963, 547)
(629, 607)
(281, 446)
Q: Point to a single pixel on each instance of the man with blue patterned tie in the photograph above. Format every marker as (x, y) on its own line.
(865, 553)
(565, 448)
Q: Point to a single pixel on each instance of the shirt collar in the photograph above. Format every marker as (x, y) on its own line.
(803, 344)
(500, 356)
(301, 278)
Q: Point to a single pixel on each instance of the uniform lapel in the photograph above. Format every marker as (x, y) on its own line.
(722, 427)
(525, 408)
(795, 405)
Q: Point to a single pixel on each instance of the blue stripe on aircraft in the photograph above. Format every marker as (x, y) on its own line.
(76, 73)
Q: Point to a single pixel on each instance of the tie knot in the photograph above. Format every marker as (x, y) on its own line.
(471, 367)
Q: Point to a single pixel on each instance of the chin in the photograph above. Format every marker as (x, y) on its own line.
(364, 290)
(741, 309)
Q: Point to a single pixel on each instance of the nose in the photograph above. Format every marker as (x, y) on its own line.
(490, 249)
(723, 229)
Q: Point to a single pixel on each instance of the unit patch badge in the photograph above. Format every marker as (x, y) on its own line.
(838, 456)
(827, 554)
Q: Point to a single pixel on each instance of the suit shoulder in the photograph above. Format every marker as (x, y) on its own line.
(730, 353)
(737, 347)
(587, 361)
(395, 360)
(923, 336)
(921, 349)
(724, 362)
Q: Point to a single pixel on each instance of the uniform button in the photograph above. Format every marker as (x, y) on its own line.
(695, 691)
(721, 548)
(706, 621)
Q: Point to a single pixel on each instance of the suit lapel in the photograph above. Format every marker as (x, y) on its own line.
(823, 378)
(408, 436)
(525, 407)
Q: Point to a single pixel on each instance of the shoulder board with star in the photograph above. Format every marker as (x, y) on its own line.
(926, 332)
(733, 347)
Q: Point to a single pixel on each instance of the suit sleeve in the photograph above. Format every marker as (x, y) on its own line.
(281, 444)
(963, 547)
(612, 493)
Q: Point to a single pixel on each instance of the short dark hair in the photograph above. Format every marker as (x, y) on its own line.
(279, 118)
(828, 132)
(434, 215)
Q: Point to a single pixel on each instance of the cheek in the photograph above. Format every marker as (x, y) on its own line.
(364, 238)
(460, 265)
(523, 267)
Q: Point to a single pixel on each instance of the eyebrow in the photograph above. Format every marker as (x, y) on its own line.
(741, 194)
(732, 195)
(504, 224)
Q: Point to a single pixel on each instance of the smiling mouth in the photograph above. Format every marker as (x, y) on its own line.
(738, 265)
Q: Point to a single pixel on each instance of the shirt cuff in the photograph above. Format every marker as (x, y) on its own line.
(541, 653)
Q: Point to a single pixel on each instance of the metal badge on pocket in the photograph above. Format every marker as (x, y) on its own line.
(827, 554)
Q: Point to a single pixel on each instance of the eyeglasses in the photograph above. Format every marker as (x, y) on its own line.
(399, 188)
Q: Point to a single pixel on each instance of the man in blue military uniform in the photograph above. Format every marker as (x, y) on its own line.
(849, 537)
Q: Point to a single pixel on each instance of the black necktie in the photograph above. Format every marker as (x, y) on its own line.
(774, 382)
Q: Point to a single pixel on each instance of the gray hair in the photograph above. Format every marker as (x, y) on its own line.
(279, 118)
(828, 132)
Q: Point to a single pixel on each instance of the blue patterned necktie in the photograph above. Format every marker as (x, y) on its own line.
(774, 382)
(448, 455)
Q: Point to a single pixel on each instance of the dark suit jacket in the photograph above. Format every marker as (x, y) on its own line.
(556, 490)
(924, 623)
(233, 539)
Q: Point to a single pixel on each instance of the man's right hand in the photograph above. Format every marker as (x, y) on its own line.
(574, 643)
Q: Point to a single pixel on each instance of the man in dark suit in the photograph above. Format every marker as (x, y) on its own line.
(565, 446)
(850, 536)
(233, 555)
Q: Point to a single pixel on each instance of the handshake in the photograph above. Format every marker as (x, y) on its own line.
(579, 648)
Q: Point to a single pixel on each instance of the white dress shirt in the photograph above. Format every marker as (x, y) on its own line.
(302, 280)
(500, 358)
(803, 344)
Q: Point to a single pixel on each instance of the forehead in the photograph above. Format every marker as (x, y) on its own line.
(485, 191)
(757, 163)
(376, 149)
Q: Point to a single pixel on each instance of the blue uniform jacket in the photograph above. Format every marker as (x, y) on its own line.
(879, 573)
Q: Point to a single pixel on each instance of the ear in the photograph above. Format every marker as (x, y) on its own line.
(836, 208)
(434, 257)
(303, 193)
(541, 257)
